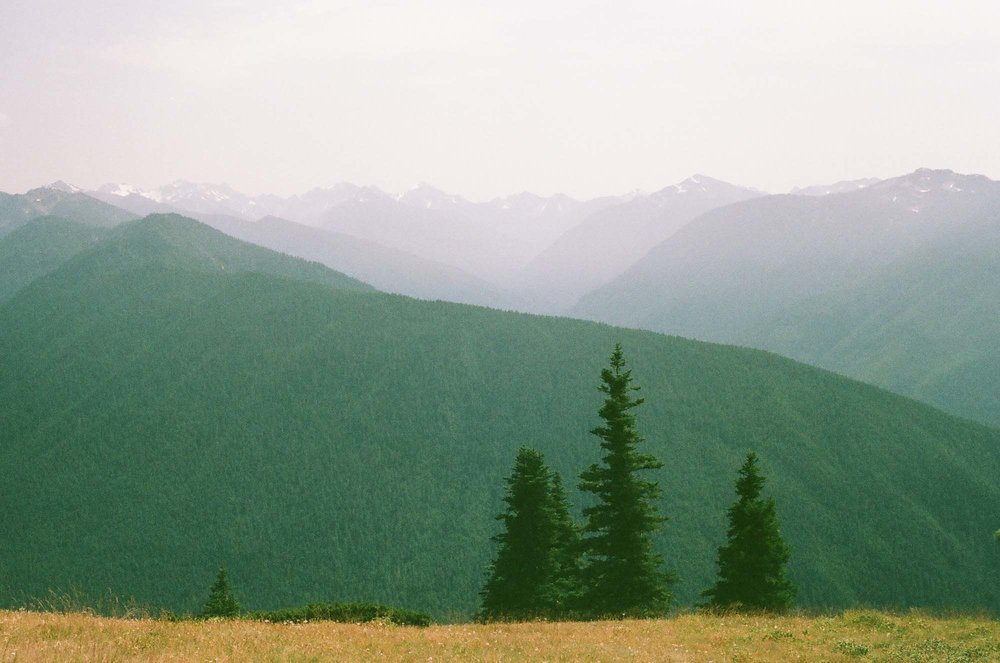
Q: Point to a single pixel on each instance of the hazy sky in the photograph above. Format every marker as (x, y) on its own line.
(487, 98)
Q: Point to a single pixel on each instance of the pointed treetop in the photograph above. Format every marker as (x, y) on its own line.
(623, 572)
(752, 563)
(617, 358)
(221, 602)
(750, 482)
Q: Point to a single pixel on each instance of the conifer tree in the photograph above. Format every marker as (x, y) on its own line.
(622, 575)
(221, 602)
(752, 562)
(568, 575)
(534, 573)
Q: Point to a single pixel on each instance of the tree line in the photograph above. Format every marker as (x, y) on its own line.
(547, 566)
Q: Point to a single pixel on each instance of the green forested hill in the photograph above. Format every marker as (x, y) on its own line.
(177, 242)
(39, 247)
(388, 270)
(160, 418)
(18, 209)
(895, 284)
(927, 326)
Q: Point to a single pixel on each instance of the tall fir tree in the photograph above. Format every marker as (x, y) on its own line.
(752, 562)
(535, 573)
(221, 602)
(622, 576)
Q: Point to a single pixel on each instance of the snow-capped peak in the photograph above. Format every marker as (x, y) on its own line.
(59, 185)
(693, 183)
(122, 190)
(182, 189)
(927, 181)
(429, 197)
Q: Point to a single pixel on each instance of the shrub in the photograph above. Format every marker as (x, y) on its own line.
(345, 612)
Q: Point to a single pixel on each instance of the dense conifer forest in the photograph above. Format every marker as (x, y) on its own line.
(168, 406)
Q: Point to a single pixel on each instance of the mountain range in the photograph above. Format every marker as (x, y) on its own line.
(609, 241)
(859, 276)
(891, 283)
(173, 399)
(59, 199)
(509, 241)
(389, 270)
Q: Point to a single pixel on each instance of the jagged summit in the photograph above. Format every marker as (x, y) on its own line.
(533, 204)
(60, 185)
(428, 197)
(122, 190)
(926, 180)
(181, 189)
(843, 186)
(933, 186)
(697, 183)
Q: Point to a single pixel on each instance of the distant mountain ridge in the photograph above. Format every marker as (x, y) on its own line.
(798, 274)
(490, 239)
(387, 269)
(172, 241)
(493, 240)
(609, 241)
(743, 273)
(837, 187)
(60, 200)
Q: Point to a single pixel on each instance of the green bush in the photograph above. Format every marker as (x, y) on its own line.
(851, 648)
(344, 612)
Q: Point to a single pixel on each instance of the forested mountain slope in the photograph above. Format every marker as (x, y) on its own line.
(927, 326)
(18, 209)
(850, 281)
(389, 270)
(447, 234)
(610, 240)
(176, 242)
(165, 409)
(38, 247)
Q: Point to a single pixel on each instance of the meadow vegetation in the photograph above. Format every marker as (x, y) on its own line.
(850, 636)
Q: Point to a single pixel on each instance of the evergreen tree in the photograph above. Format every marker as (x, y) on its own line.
(568, 575)
(533, 575)
(623, 575)
(221, 602)
(752, 562)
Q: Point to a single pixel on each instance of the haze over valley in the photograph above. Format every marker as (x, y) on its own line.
(857, 276)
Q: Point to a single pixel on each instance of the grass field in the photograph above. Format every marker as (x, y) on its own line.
(854, 635)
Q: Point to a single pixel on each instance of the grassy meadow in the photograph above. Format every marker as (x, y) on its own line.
(853, 635)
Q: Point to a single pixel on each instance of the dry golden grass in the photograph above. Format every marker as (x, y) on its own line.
(855, 635)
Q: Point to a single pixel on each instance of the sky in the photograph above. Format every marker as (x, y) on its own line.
(490, 98)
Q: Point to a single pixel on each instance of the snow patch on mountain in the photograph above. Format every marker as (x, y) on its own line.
(59, 185)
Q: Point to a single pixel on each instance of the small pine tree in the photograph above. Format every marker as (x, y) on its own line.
(752, 562)
(622, 575)
(532, 576)
(221, 602)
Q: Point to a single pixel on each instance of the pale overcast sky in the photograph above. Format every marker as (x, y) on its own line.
(488, 98)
